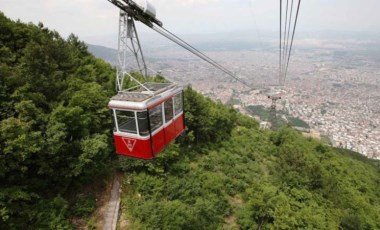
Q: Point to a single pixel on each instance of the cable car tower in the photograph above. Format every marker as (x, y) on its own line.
(129, 49)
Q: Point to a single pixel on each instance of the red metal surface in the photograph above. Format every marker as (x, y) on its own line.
(179, 125)
(142, 148)
(170, 131)
(159, 141)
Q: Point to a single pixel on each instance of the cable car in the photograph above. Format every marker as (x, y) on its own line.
(147, 119)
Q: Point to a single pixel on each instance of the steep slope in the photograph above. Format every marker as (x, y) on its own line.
(107, 54)
(54, 125)
(224, 173)
(246, 178)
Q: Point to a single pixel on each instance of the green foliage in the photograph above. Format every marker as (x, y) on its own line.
(265, 115)
(258, 110)
(207, 121)
(224, 174)
(54, 123)
(84, 206)
(52, 214)
(91, 224)
(296, 122)
(259, 180)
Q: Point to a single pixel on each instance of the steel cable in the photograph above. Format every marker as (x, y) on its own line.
(279, 67)
(164, 32)
(283, 48)
(287, 39)
(291, 44)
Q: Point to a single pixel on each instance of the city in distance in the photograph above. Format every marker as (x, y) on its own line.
(62, 124)
(333, 80)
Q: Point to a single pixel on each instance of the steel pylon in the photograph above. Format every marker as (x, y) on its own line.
(130, 55)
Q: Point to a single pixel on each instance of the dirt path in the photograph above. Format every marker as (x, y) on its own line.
(111, 214)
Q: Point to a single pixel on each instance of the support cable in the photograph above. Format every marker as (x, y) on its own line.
(280, 72)
(196, 52)
(291, 44)
(287, 39)
(157, 26)
(283, 48)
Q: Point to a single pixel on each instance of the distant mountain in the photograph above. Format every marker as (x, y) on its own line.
(107, 54)
(152, 43)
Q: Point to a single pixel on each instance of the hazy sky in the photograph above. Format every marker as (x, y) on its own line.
(95, 18)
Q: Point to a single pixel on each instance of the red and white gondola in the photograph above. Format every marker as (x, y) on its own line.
(146, 121)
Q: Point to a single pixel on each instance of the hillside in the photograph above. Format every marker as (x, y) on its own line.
(246, 178)
(107, 54)
(56, 152)
(54, 126)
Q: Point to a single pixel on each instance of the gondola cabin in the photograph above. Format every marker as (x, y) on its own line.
(147, 119)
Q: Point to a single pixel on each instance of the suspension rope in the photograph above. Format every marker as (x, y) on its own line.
(291, 44)
(205, 56)
(285, 50)
(164, 32)
(287, 39)
(279, 67)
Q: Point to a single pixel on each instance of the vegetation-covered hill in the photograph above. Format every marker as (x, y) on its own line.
(107, 54)
(225, 173)
(246, 178)
(54, 124)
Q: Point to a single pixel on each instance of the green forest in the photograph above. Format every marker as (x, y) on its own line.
(265, 115)
(55, 128)
(57, 154)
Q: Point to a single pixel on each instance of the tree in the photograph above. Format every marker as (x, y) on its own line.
(54, 122)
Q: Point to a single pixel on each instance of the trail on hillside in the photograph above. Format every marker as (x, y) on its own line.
(111, 214)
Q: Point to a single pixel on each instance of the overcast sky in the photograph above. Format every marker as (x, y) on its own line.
(96, 18)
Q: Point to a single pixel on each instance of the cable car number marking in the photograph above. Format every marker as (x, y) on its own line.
(130, 143)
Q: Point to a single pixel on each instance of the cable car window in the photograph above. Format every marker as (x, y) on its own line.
(168, 106)
(142, 119)
(155, 117)
(178, 107)
(126, 121)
